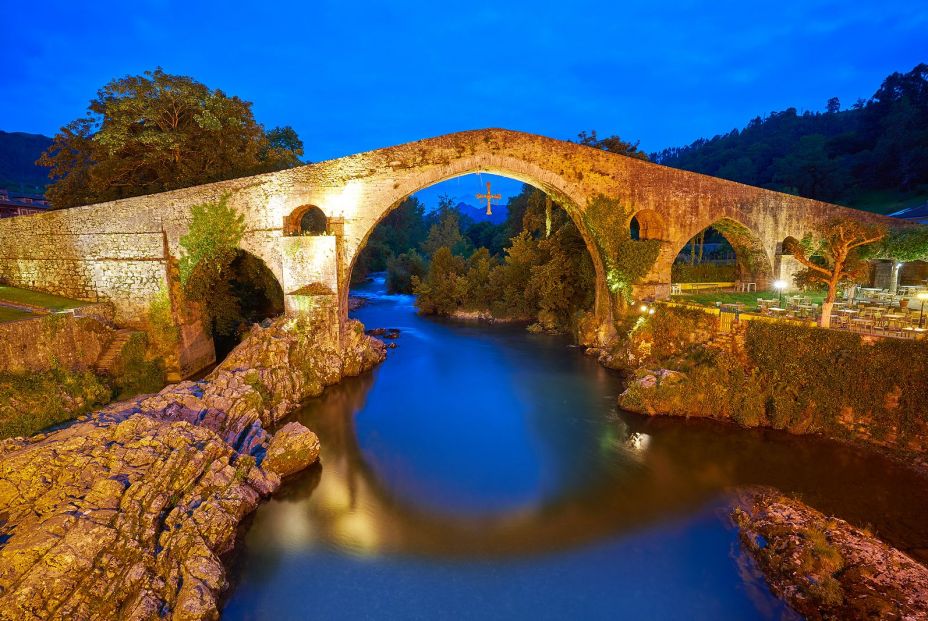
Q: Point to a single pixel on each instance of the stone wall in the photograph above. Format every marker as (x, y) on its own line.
(63, 340)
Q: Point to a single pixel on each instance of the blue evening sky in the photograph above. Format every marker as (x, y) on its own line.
(353, 76)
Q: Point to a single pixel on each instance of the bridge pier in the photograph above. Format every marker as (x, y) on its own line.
(785, 268)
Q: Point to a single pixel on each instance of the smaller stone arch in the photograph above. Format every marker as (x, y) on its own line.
(648, 224)
(306, 220)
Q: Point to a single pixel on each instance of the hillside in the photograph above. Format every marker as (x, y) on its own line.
(18, 153)
(872, 156)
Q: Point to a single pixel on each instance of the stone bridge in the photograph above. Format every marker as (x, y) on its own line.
(122, 251)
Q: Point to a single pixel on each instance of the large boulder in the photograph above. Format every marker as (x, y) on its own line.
(293, 448)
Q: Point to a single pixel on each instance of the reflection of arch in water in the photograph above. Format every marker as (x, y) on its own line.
(353, 507)
(349, 505)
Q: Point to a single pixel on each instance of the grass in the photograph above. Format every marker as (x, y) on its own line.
(748, 299)
(36, 298)
(13, 314)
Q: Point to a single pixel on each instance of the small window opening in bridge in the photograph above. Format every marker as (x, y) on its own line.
(307, 220)
(648, 224)
(723, 258)
(525, 260)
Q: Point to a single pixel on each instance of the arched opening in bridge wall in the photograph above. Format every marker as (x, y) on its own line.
(306, 220)
(247, 292)
(648, 224)
(723, 256)
(526, 261)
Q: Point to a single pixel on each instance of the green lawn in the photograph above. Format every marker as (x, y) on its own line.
(13, 314)
(748, 299)
(35, 298)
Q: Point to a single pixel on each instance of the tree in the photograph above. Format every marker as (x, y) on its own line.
(612, 144)
(444, 288)
(833, 106)
(157, 132)
(835, 256)
(446, 230)
(401, 270)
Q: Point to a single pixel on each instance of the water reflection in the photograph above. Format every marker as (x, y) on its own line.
(484, 473)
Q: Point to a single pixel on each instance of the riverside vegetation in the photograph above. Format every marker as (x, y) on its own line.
(798, 378)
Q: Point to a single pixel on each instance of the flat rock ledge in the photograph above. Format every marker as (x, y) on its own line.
(126, 513)
(823, 567)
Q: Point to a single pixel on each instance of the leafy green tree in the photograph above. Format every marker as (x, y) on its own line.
(612, 144)
(836, 255)
(445, 231)
(402, 269)
(444, 288)
(155, 132)
(879, 147)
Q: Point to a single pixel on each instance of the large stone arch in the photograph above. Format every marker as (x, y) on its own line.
(754, 261)
(357, 233)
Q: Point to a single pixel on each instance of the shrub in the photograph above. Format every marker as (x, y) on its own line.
(812, 375)
(135, 372)
(33, 401)
(705, 272)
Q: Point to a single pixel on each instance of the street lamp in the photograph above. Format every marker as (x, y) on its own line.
(922, 295)
(779, 285)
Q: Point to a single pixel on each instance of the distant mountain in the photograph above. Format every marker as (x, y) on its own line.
(479, 214)
(18, 153)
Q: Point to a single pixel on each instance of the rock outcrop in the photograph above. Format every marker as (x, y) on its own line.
(823, 567)
(126, 513)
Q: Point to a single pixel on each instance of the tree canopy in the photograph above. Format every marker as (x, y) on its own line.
(836, 255)
(156, 132)
(612, 144)
(877, 147)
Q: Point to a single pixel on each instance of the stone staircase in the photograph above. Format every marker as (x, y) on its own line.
(107, 361)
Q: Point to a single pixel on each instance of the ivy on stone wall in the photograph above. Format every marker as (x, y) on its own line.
(215, 231)
(749, 252)
(163, 332)
(799, 378)
(818, 374)
(626, 260)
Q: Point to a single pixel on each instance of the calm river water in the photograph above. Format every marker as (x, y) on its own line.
(483, 472)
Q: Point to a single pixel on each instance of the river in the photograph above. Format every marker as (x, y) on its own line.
(483, 472)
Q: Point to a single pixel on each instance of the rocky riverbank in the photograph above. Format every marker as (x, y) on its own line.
(126, 513)
(823, 567)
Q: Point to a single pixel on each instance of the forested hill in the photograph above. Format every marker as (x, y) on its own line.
(18, 153)
(871, 156)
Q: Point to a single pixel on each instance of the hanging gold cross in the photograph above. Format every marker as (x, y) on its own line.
(489, 198)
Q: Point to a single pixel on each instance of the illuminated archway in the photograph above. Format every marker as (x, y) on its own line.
(306, 220)
(648, 224)
(729, 252)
